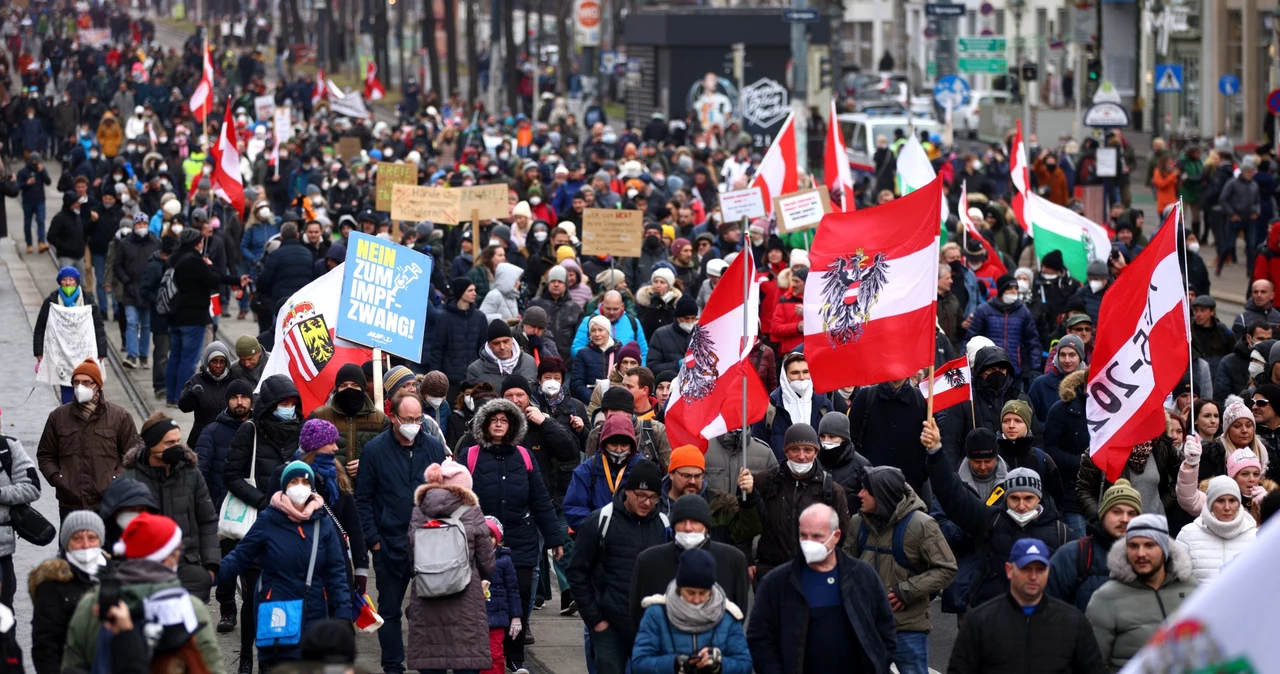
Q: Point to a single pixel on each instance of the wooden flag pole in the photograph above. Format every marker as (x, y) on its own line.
(377, 379)
(475, 236)
(929, 413)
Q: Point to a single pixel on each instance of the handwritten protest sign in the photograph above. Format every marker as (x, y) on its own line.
(801, 210)
(607, 231)
(348, 147)
(489, 200)
(437, 204)
(388, 175)
(748, 203)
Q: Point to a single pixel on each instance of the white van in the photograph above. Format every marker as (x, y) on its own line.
(859, 132)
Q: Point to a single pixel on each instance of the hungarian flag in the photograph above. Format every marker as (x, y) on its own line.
(1141, 355)
(373, 89)
(202, 100)
(318, 91)
(869, 304)
(777, 174)
(835, 165)
(950, 384)
(306, 349)
(915, 171)
(1055, 227)
(1020, 172)
(993, 268)
(226, 179)
(706, 397)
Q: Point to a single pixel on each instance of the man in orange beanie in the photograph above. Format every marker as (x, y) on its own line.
(732, 520)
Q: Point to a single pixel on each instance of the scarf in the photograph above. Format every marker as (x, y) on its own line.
(284, 505)
(508, 366)
(87, 409)
(690, 619)
(799, 408)
(1138, 457)
(76, 299)
(325, 467)
(1242, 524)
(553, 402)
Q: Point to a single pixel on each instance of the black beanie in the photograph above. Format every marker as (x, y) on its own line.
(239, 387)
(618, 398)
(686, 306)
(980, 444)
(498, 329)
(367, 370)
(350, 373)
(801, 434)
(459, 286)
(1053, 260)
(644, 474)
(691, 507)
(515, 381)
(697, 569)
(329, 641)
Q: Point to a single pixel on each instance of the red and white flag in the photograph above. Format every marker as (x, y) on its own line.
(1141, 355)
(706, 397)
(226, 179)
(778, 174)
(373, 89)
(870, 301)
(202, 100)
(991, 269)
(950, 384)
(1020, 172)
(835, 166)
(319, 89)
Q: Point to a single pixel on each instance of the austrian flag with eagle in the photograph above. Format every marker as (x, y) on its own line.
(869, 309)
(950, 384)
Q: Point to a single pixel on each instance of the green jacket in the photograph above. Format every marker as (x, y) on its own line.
(1193, 179)
(924, 546)
(139, 579)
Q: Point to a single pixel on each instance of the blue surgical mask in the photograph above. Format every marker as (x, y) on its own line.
(286, 413)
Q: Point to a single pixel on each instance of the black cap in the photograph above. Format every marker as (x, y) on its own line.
(498, 329)
(980, 444)
(239, 387)
(515, 381)
(458, 286)
(618, 398)
(644, 474)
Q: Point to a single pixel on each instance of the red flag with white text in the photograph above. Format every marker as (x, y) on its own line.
(870, 300)
(706, 397)
(951, 384)
(1141, 355)
(778, 174)
(835, 165)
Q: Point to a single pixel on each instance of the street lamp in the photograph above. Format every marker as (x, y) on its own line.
(1017, 6)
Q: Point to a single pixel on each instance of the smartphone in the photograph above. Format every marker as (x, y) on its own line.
(108, 595)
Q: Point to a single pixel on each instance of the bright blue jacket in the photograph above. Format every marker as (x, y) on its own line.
(658, 642)
(1013, 329)
(625, 329)
(589, 489)
(389, 474)
(563, 199)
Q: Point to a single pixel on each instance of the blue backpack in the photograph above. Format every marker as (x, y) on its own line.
(899, 535)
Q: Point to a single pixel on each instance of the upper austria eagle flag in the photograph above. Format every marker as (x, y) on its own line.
(706, 397)
(870, 300)
(1141, 355)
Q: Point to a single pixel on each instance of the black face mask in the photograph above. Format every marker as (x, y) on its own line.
(173, 455)
(349, 401)
(652, 242)
(996, 380)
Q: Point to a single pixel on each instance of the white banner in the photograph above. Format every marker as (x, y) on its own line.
(69, 339)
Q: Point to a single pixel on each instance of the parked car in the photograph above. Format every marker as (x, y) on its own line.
(968, 114)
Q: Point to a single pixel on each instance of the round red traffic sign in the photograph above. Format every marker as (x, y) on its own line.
(1273, 102)
(589, 14)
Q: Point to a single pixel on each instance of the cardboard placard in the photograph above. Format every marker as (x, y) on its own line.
(748, 203)
(609, 231)
(388, 175)
(263, 107)
(489, 200)
(1108, 162)
(437, 204)
(801, 210)
(282, 124)
(348, 148)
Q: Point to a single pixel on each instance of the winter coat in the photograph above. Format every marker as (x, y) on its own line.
(933, 565)
(1126, 611)
(265, 440)
(787, 327)
(1091, 483)
(780, 618)
(203, 395)
(286, 271)
(253, 242)
(993, 531)
(651, 440)
(563, 316)
(501, 302)
(353, 432)
(589, 365)
(847, 468)
(195, 281)
(658, 641)
(81, 457)
(1252, 313)
(132, 255)
(884, 427)
(139, 579)
(724, 461)
(147, 290)
(67, 233)
(783, 497)
(503, 602)
(211, 449)
(459, 335)
(34, 193)
(42, 321)
(56, 588)
(1066, 435)
(183, 497)
(485, 368)
(1013, 329)
(654, 311)
(1044, 392)
(1213, 543)
(1020, 453)
(1070, 582)
(1092, 300)
(657, 566)
(600, 569)
(667, 346)
(625, 329)
(999, 638)
(451, 632)
(19, 486)
(389, 474)
(775, 433)
(1231, 377)
(283, 549)
(589, 489)
(1240, 197)
(985, 405)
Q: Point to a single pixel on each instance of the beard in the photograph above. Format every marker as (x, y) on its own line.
(1144, 577)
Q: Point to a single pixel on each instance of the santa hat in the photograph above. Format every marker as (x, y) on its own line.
(150, 537)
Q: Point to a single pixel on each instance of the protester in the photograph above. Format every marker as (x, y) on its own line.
(1079, 570)
(69, 294)
(353, 414)
(204, 394)
(1223, 530)
(793, 402)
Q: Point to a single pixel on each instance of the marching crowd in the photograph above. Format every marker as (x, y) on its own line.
(527, 443)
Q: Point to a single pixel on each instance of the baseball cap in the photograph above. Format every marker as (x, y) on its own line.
(1029, 550)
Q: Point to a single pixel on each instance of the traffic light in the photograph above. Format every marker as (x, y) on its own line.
(824, 72)
(1095, 70)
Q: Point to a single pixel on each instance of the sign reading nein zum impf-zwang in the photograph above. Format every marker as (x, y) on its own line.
(384, 296)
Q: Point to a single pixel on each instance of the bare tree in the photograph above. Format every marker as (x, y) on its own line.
(473, 51)
(451, 38)
(563, 8)
(510, 71)
(429, 41)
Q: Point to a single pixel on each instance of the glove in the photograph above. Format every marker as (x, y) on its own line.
(1257, 493)
(197, 390)
(362, 585)
(1191, 451)
(516, 627)
(668, 296)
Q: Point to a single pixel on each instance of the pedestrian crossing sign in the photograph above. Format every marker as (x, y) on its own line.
(1168, 79)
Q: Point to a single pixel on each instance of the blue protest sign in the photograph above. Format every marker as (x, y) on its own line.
(385, 287)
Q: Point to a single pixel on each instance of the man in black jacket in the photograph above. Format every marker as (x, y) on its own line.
(670, 342)
(460, 333)
(838, 457)
(1023, 630)
(884, 426)
(133, 254)
(204, 394)
(993, 385)
(195, 279)
(690, 518)
(609, 543)
(67, 235)
(288, 269)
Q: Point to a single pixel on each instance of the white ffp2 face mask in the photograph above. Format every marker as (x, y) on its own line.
(88, 560)
(410, 431)
(550, 387)
(687, 540)
(799, 468)
(298, 493)
(1255, 368)
(802, 387)
(814, 551)
(83, 394)
(1096, 286)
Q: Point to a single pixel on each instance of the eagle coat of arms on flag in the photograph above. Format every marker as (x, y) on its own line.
(849, 291)
(700, 367)
(308, 339)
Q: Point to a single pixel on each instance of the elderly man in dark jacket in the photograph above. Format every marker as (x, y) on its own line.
(847, 627)
(288, 268)
(460, 333)
(670, 342)
(171, 471)
(204, 395)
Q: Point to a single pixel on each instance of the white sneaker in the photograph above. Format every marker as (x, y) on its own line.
(130, 362)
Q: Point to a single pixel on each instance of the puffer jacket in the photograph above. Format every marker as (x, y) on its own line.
(601, 568)
(1127, 611)
(1066, 435)
(667, 346)
(783, 497)
(460, 334)
(501, 302)
(1213, 544)
(1013, 329)
(286, 271)
(658, 642)
(933, 565)
(19, 486)
(56, 588)
(1090, 552)
(507, 489)
(654, 311)
(205, 395)
(353, 432)
(451, 632)
(264, 440)
(211, 450)
(590, 364)
(81, 457)
(1231, 377)
(132, 255)
(563, 316)
(183, 497)
(503, 602)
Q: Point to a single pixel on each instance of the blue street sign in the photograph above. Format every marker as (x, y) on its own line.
(944, 9)
(801, 15)
(951, 92)
(384, 296)
(1229, 85)
(1168, 79)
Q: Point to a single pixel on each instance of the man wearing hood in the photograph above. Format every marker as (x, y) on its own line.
(724, 459)
(1068, 357)
(1050, 290)
(793, 402)
(171, 471)
(1078, 570)
(499, 357)
(596, 480)
(883, 426)
(67, 233)
(1008, 323)
(993, 385)
(1236, 370)
(353, 413)
(1122, 612)
(893, 533)
(839, 458)
(502, 301)
(205, 393)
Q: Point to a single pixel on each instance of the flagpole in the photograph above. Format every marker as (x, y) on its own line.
(208, 108)
(748, 270)
(1186, 289)
(929, 413)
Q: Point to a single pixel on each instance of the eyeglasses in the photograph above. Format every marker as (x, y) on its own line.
(1082, 328)
(694, 476)
(1260, 402)
(413, 420)
(653, 498)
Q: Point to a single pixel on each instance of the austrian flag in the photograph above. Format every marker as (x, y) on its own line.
(870, 301)
(950, 384)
